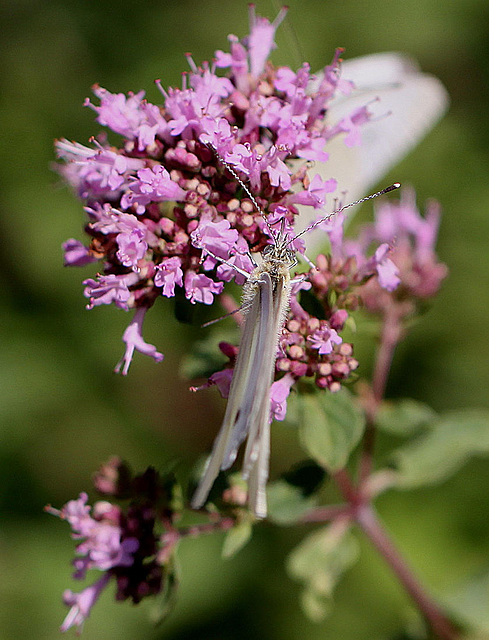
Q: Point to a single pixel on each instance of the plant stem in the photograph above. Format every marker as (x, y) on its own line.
(323, 514)
(373, 529)
(196, 530)
(389, 338)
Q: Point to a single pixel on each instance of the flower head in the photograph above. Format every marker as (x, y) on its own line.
(121, 541)
(165, 209)
(409, 258)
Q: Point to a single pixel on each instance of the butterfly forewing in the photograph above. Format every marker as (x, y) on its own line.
(257, 452)
(265, 302)
(248, 407)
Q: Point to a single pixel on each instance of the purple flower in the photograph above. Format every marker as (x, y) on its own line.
(167, 203)
(277, 170)
(131, 117)
(134, 341)
(261, 39)
(240, 260)
(351, 125)
(218, 133)
(102, 547)
(207, 85)
(222, 379)
(95, 173)
(152, 185)
(315, 194)
(279, 392)
(119, 541)
(330, 82)
(168, 274)
(399, 220)
(132, 247)
(333, 226)
(323, 340)
(237, 60)
(215, 237)
(108, 289)
(81, 603)
(76, 254)
(200, 288)
(77, 513)
(289, 82)
(387, 271)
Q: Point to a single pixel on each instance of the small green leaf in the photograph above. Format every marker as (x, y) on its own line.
(286, 503)
(330, 427)
(438, 454)
(319, 561)
(290, 497)
(404, 417)
(236, 538)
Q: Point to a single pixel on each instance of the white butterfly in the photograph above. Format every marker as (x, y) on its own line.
(411, 102)
(265, 304)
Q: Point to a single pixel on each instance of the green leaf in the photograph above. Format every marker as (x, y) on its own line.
(236, 538)
(293, 495)
(404, 417)
(319, 562)
(286, 503)
(438, 454)
(330, 427)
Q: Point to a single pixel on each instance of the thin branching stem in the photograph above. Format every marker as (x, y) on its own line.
(390, 336)
(375, 532)
(363, 513)
(323, 514)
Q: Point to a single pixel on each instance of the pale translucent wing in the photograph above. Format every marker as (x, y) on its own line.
(261, 402)
(256, 394)
(257, 498)
(242, 371)
(410, 103)
(249, 395)
(257, 453)
(248, 408)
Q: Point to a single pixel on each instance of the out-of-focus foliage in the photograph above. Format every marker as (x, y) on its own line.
(63, 412)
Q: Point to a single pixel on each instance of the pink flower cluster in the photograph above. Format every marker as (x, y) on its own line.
(412, 240)
(391, 267)
(162, 203)
(118, 541)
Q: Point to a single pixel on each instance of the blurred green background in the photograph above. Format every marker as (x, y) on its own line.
(62, 410)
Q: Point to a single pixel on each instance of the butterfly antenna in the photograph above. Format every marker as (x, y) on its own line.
(242, 184)
(388, 189)
(226, 315)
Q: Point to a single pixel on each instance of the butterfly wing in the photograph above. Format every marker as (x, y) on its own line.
(257, 452)
(406, 105)
(249, 394)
